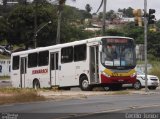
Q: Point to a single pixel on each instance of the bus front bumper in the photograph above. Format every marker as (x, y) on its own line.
(117, 80)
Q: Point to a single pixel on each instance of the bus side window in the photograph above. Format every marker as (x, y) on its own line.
(15, 65)
(80, 52)
(43, 58)
(32, 60)
(66, 54)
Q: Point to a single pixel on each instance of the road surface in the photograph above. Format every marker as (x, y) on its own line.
(104, 104)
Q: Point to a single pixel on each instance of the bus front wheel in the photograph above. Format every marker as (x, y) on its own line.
(84, 84)
(36, 84)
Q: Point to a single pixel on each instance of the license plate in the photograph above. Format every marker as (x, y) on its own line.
(155, 83)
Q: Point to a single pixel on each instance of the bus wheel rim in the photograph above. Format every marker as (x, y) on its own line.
(85, 84)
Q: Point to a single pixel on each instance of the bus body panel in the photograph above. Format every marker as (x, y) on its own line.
(15, 78)
(40, 73)
(80, 68)
(66, 77)
(125, 77)
(54, 67)
(68, 74)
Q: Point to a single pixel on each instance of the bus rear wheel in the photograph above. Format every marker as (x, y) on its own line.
(36, 84)
(84, 84)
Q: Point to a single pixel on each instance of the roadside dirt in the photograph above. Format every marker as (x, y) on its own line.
(62, 95)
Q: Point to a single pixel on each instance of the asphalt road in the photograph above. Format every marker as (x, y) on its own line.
(92, 105)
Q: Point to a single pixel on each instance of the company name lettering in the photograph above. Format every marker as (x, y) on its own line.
(40, 71)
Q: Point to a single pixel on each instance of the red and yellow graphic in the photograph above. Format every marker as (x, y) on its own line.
(40, 71)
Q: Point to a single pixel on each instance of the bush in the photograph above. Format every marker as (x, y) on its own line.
(155, 70)
(14, 95)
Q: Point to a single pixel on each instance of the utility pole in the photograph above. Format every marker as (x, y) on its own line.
(104, 17)
(35, 24)
(145, 42)
(60, 8)
(59, 27)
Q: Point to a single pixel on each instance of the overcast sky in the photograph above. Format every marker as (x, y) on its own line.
(115, 4)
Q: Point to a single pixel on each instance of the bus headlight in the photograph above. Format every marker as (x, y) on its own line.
(105, 74)
(133, 75)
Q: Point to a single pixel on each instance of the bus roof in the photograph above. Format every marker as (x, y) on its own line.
(95, 39)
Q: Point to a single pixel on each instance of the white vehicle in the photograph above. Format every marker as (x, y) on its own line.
(152, 83)
(80, 63)
(4, 51)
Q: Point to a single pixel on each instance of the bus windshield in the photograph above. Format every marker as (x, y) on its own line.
(118, 53)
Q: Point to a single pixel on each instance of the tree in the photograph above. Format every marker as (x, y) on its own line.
(21, 21)
(22, 1)
(4, 2)
(19, 26)
(3, 28)
(114, 32)
(88, 8)
(129, 12)
(126, 12)
(154, 43)
(158, 24)
(110, 15)
(135, 32)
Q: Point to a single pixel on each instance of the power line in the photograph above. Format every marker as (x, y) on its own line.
(100, 6)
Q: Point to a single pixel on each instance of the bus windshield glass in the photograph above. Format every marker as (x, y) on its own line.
(118, 53)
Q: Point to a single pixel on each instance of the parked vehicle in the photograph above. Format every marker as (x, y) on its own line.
(4, 51)
(152, 83)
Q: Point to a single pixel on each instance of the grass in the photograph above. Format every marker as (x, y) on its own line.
(4, 77)
(14, 95)
(4, 57)
(156, 69)
(121, 92)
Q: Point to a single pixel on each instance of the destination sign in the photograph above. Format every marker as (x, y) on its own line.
(117, 40)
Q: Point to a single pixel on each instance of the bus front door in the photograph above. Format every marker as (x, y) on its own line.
(94, 77)
(23, 71)
(54, 68)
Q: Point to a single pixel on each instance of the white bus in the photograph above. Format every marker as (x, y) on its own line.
(84, 63)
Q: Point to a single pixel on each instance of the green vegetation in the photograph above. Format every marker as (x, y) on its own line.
(155, 66)
(13, 95)
(17, 24)
(155, 70)
(4, 57)
(4, 77)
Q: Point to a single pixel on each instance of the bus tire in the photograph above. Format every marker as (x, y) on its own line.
(36, 84)
(84, 83)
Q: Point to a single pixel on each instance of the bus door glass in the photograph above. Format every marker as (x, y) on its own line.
(54, 68)
(94, 77)
(23, 71)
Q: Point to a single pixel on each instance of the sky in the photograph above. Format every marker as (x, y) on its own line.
(115, 4)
